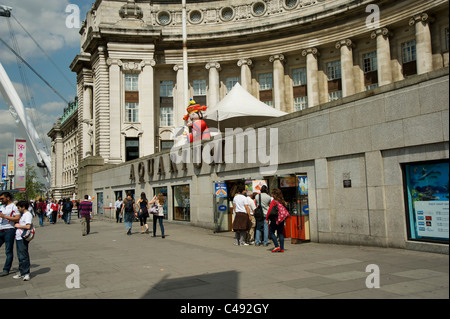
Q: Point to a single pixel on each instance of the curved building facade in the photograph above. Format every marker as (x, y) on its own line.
(333, 65)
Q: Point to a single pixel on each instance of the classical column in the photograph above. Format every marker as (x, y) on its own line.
(278, 81)
(348, 86)
(147, 106)
(423, 42)
(115, 109)
(179, 104)
(101, 102)
(246, 73)
(312, 79)
(384, 69)
(213, 83)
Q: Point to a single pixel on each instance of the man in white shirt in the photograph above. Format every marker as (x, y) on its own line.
(9, 215)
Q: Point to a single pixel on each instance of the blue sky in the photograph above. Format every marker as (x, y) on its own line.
(46, 22)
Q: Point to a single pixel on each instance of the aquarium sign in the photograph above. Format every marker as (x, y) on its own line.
(427, 187)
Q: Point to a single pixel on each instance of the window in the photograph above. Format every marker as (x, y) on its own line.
(409, 51)
(230, 82)
(131, 98)
(335, 95)
(265, 81)
(265, 88)
(334, 80)
(131, 112)
(409, 58)
(299, 76)
(131, 148)
(334, 70)
(181, 203)
(300, 91)
(300, 103)
(166, 145)
(370, 68)
(131, 82)
(370, 62)
(199, 87)
(166, 116)
(166, 89)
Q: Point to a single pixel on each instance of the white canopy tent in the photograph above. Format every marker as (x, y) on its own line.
(238, 109)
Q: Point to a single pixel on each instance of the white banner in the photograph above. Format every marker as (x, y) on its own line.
(21, 164)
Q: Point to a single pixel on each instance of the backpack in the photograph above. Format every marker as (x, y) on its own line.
(258, 213)
(129, 207)
(67, 206)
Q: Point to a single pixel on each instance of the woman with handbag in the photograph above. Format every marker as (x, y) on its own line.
(143, 212)
(276, 224)
(158, 214)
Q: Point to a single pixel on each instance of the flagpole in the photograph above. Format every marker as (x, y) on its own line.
(185, 62)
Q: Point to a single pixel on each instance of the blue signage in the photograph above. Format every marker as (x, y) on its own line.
(222, 208)
(221, 190)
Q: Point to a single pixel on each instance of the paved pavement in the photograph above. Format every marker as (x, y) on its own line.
(195, 263)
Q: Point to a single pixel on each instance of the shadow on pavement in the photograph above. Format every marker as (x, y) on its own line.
(222, 285)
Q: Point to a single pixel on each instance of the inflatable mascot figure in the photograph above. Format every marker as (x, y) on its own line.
(199, 129)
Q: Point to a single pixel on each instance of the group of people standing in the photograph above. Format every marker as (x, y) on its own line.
(15, 220)
(128, 210)
(250, 229)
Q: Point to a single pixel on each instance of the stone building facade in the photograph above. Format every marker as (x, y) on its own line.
(64, 153)
(346, 71)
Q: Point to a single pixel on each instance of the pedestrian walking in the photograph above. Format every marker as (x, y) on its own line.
(118, 206)
(158, 216)
(272, 216)
(40, 211)
(262, 226)
(25, 223)
(241, 213)
(54, 207)
(143, 205)
(9, 216)
(128, 212)
(67, 210)
(85, 209)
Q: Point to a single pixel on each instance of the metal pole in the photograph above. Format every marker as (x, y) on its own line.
(185, 61)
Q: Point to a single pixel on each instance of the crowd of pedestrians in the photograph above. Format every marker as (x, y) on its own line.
(258, 216)
(130, 211)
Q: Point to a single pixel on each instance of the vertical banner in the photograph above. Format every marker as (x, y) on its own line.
(4, 174)
(21, 164)
(10, 171)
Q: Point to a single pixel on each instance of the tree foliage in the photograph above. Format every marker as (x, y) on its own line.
(34, 188)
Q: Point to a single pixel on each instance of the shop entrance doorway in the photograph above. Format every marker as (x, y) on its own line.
(295, 193)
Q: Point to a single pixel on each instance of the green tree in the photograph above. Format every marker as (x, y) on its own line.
(34, 188)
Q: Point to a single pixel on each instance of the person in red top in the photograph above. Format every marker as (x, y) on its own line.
(41, 207)
(85, 209)
(55, 208)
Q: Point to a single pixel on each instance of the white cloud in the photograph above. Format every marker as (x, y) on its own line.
(44, 20)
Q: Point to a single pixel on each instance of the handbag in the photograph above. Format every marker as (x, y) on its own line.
(258, 213)
(28, 234)
(154, 209)
(283, 213)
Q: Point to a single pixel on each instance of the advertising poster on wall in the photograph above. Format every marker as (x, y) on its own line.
(428, 200)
